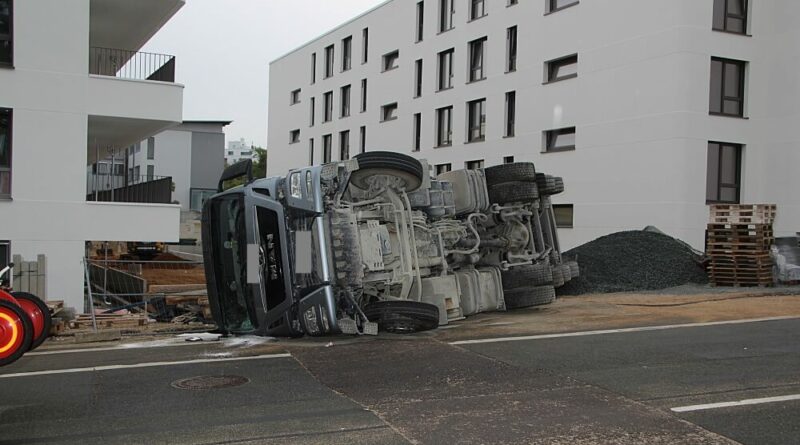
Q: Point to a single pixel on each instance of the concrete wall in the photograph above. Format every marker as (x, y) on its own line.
(640, 103)
(52, 95)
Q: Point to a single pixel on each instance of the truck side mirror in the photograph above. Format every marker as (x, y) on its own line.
(239, 169)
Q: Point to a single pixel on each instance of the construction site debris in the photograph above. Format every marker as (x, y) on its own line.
(738, 244)
(633, 261)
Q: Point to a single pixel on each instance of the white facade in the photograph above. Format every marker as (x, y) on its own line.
(190, 153)
(61, 116)
(239, 151)
(640, 102)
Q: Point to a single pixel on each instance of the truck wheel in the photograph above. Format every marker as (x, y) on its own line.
(516, 171)
(549, 185)
(16, 332)
(529, 296)
(526, 276)
(566, 272)
(558, 276)
(574, 269)
(403, 317)
(516, 191)
(386, 163)
(39, 314)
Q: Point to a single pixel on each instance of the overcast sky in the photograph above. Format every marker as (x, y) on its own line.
(223, 50)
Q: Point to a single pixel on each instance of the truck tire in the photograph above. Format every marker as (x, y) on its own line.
(516, 191)
(558, 276)
(516, 171)
(16, 332)
(529, 296)
(566, 272)
(527, 276)
(403, 316)
(574, 269)
(39, 314)
(386, 163)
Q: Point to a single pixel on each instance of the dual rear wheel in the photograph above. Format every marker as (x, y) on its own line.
(24, 324)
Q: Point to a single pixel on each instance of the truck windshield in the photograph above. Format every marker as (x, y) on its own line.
(230, 246)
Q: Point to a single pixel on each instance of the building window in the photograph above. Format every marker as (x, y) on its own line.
(391, 60)
(347, 53)
(511, 49)
(294, 97)
(326, 149)
(445, 69)
(446, 12)
(6, 32)
(198, 197)
(344, 145)
(508, 160)
(311, 151)
(727, 87)
(328, 103)
(562, 139)
(151, 148)
(365, 46)
(389, 112)
(564, 215)
(473, 165)
(312, 106)
(363, 139)
(345, 101)
(730, 16)
(557, 5)
(562, 68)
(151, 172)
(443, 168)
(417, 131)
(418, 78)
(724, 173)
(477, 49)
(476, 120)
(5, 152)
(294, 136)
(363, 95)
(444, 127)
(420, 20)
(477, 9)
(511, 113)
(313, 68)
(329, 52)
(5, 254)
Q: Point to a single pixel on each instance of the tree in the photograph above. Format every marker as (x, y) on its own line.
(260, 162)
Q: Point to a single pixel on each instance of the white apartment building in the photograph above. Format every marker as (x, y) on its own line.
(239, 151)
(190, 154)
(73, 84)
(650, 110)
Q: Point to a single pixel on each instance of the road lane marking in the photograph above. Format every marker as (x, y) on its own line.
(141, 365)
(690, 408)
(121, 348)
(620, 331)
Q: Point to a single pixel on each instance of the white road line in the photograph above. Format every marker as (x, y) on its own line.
(121, 348)
(619, 331)
(141, 365)
(686, 409)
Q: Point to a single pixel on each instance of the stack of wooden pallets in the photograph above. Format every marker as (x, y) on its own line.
(738, 241)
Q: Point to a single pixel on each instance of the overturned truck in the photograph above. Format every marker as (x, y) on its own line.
(377, 243)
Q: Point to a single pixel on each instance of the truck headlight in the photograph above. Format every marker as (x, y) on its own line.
(296, 189)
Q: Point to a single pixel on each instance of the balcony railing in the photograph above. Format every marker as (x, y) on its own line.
(143, 189)
(131, 64)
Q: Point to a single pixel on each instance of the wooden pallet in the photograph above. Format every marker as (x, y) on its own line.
(108, 321)
(742, 213)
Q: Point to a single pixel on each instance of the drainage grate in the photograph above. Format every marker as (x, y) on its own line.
(210, 382)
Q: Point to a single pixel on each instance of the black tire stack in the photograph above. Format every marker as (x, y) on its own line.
(529, 285)
(516, 182)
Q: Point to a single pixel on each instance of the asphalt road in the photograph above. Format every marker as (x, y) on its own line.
(609, 388)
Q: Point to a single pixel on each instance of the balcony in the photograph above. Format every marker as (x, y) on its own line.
(133, 65)
(141, 189)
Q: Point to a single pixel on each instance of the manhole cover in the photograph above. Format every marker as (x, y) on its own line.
(210, 382)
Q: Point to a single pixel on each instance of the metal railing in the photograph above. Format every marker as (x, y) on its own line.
(141, 189)
(131, 64)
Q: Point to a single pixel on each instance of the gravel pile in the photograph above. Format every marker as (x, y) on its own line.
(633, 261)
